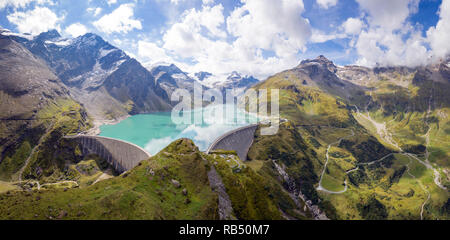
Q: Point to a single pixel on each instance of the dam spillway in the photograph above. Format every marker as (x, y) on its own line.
(239, 140)
(121, 155)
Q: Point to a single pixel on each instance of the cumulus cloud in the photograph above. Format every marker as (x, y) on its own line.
(352, 26)
(176, 1)
(111, 2)
(439, 36)
(121, 20)
(255, 27)
(185, 37)
(94, 11)
(320, 36)
(258, 24)
(22, 3)
(389, 38)
(378, 47)
(327, 3)
(388, 14)
(35, 21)
(206, 2)
(76, 29)
(151, 53)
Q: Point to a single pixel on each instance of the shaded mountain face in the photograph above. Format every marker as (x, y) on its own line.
(102, 77)
(26, 81)
(170, 78)
(34, 104)
(321, 73)
(202, 75)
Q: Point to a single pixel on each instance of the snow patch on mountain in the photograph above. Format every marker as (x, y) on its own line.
(7, 32)
(60, 43)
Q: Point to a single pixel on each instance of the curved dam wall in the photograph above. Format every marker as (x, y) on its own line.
(121, 155)
(239, 140)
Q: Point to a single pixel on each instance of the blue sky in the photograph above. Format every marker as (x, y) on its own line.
(257, 37)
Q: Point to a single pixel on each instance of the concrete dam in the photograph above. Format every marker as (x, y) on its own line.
(121, 155)
(239, 140)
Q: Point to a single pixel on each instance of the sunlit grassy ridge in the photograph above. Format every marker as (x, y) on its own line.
(306, 105)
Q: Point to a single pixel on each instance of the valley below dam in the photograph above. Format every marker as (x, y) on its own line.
(154, 131)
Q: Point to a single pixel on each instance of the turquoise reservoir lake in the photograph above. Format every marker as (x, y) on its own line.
(155, 131)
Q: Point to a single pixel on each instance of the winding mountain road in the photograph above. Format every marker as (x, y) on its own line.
(320, 187)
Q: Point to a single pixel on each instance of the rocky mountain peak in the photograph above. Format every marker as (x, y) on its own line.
(234, 76)
(321, 59)
(167, 68)
(49, 35)
(90, 40)
(202, 75)
(321, 62)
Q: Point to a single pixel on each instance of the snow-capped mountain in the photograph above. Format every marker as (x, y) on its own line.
(234, 81)
(102, 77)
(202, 75)
(169, 77)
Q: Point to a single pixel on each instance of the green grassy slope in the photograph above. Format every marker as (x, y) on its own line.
(41, 141)
(149, 192)
(393, 186)
(146, 192)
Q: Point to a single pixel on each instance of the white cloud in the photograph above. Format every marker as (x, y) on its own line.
(76, 29)
(206, 2)
(185, 37)
(22, 3)
(378, 47)
(121, 20)
(151, 53)
(327, 3)
(352, 26)
(94, 11)
(439, 36)
(388, 14)
(269, 25)
(389, 39)
(204, 37)
(176, 1)
(320, 36)
(111, 2)
(35, 21)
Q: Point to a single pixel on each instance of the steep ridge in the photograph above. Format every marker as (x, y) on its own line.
(170, 78)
